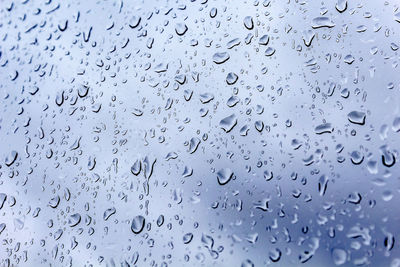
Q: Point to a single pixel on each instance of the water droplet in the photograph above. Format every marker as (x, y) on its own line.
(108, 213)
(137, 224)
(339, 256)
(357, 117)
(231, 78)
(341, 5)
(324, 128)
(248, 22)
(224, 176)
(228, 123)
(321, 22)
(181, 28)
(74, 219)
(220, 57)
(187, 238)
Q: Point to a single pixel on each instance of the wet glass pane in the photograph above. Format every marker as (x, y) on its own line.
(199, 133)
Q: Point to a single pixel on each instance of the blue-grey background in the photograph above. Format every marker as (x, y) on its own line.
(132, 62)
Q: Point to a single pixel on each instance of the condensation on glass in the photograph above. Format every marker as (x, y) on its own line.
(199, 133)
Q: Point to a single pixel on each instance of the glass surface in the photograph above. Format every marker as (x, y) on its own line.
(199, 133)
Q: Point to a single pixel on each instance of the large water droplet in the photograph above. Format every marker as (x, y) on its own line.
(224, 176)
(137, 224)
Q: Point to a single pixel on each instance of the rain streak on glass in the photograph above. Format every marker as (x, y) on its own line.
(199, 133)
